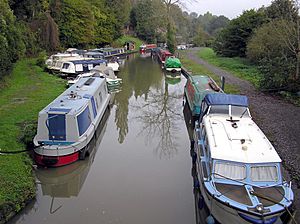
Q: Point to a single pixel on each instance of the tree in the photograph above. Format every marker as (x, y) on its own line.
(232, 40)
(11, 41)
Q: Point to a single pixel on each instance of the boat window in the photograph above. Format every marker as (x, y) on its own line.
(100, 97)
(219, 109)
(83, 121)
(90, 66)
(232, 171)
(78, 67)
(264, 173)
(94, 106)
(239, 111)
(57, 126)
(66, 65)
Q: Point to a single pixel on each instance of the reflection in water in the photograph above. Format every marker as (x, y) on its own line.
(159, 115)
(137, 77)
(66, 181)
(201, 210)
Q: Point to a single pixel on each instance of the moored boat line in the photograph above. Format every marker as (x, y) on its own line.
(66, 126)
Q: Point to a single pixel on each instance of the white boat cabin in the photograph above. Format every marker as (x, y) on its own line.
(69, 117)
(80, 66)
(235, 147)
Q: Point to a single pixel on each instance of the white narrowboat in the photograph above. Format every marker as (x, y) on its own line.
(80, 66)
(55, 62)
(239, 170)
(67, 125)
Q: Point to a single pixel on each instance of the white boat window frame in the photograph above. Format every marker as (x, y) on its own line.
(264, 165)
(218, 177)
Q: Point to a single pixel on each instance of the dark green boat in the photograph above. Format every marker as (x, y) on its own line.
(197, 86)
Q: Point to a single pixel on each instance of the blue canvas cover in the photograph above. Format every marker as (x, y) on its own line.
(226, 99)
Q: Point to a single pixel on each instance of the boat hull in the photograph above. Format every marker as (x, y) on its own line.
(55, 161)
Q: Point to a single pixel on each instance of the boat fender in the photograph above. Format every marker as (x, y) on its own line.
(210, 220)
(83, 153)
(194, 156)
(192, 144)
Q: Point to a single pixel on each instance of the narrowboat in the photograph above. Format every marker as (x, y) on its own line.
(55, 62)
(99, 71)
(195, 89)
(163, 55)
(67, 125)
(110, 52)
(112, 62)
(173, 64)
(239, 170)
(145, 49)
(79, 66)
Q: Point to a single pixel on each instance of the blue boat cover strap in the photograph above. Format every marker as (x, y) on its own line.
(226, 99)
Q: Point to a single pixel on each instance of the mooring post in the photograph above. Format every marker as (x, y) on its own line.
(222, 82)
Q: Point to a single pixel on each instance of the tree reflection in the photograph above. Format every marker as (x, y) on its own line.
(138, 75)
(159, 115)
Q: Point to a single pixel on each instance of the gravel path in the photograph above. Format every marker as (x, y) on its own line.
(278, 119)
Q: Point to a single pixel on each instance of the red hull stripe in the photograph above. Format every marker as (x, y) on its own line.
(55, 161)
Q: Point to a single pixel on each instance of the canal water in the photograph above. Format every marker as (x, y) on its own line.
(140, 170)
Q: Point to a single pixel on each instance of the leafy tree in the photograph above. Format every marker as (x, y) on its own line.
(148, 20)
(76, 24)
(232, 40)
(171, 42)
(11, 44)
(216, 24)
(121, 10)
(267, 49)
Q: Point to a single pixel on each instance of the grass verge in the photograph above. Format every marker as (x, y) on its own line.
(196, 68)
(237, 66)
(24, 93)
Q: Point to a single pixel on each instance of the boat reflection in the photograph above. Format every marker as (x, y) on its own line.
(67, 181)
(201, 209)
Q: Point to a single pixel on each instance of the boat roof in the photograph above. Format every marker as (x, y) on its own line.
(93, 53)
(240, 140)
(201, 83)
(74, 98)
(88, 61)
(226, 99)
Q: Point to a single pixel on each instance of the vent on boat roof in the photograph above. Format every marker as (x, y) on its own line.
(89, 81)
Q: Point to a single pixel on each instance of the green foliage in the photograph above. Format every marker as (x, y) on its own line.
(27, 91)
(267, 48)
(76, 24)
(121, 9)
(11, 44)
(120, 42)
(148, 19)
(171, 38)
(232, 40)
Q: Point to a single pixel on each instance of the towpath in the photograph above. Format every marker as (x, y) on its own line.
(278, 119)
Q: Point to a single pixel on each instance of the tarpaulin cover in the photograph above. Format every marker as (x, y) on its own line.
(173, 63)
(226, 99)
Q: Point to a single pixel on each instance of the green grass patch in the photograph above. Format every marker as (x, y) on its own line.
(25, 92)
(239, 67)
(120, 42)
(198, 69)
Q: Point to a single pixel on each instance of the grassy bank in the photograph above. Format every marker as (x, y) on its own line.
(24, 93)
(237, 66)
(120, 42)
(196, 68)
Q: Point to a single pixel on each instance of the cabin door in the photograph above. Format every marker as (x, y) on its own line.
(85, 68)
